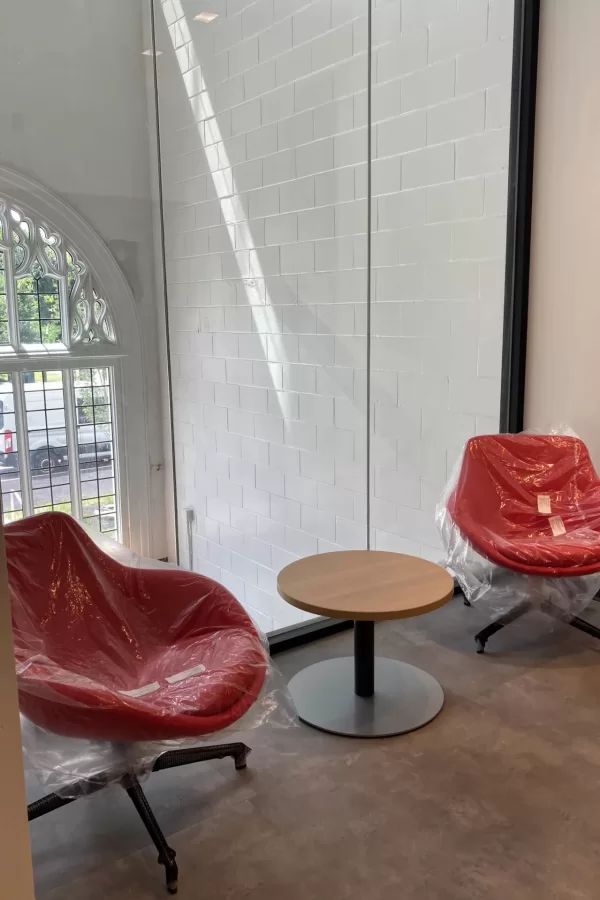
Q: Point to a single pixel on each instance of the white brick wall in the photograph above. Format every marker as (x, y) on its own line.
(262, 219)
(264, 151)
(438, 253)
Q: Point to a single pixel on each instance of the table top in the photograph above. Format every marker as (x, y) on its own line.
(365, 584)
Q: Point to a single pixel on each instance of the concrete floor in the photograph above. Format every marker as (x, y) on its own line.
(497, 798)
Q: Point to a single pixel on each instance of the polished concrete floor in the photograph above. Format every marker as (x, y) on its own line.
(497, 799)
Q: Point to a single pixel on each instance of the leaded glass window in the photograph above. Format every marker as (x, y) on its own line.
(58, 429)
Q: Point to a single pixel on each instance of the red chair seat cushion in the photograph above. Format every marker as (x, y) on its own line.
(495, 503)
(87, 629)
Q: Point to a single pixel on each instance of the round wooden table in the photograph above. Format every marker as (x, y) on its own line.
(389, 697)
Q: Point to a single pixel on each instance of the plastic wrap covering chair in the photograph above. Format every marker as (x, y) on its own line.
(122, 654)
(530, 504)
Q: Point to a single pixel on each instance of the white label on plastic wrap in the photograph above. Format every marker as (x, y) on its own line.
(181, 676)
(544, 504)
(142, 691)
(557, 525)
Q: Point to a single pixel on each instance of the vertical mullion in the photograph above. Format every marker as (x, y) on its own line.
(23, 443)
(72, 443)
(521, 165)
(163, 263)
(11, 300)
(117, 417)
(96, 451)
(369, 410)
(65, 320)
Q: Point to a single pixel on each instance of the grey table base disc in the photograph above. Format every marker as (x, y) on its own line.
(405, 698)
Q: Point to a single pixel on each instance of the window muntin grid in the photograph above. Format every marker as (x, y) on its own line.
(49, 298)
(57, 445)
(57, 425)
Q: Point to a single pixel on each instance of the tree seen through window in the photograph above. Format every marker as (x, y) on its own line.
(38, 303)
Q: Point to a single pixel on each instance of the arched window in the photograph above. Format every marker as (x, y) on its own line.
(65, 346)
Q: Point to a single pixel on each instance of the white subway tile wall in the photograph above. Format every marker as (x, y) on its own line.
(263, 120)
(264, 218)
(439, 235)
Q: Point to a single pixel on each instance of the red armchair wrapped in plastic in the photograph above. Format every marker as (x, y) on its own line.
(123, 668)
(531, 503)
(124, 654)
(521, 522)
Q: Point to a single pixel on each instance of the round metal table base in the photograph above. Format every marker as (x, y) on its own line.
(405, 698)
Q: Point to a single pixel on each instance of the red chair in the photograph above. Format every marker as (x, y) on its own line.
(123, 654)
(531, 504)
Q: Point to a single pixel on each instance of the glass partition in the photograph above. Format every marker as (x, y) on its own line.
(263, 151)
(441, 84)
(280, 121)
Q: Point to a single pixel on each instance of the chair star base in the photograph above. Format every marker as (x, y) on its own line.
(169, 760)
(483, 636)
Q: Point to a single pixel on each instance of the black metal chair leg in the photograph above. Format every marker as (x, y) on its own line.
(171, 759)
(166, 856)
(482, 637)
(582, 625)
(47, 804)
(187, 755)
(485, 634)
(241, 758)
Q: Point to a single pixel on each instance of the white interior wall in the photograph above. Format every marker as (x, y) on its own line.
(264, 160)
(564, 313)
(73, 117)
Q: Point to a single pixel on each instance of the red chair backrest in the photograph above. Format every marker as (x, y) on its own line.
(495, 501)
(86, 628)
(513, 469)
(90, 612)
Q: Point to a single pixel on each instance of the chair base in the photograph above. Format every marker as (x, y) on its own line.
(169, 760)
(482, 637)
